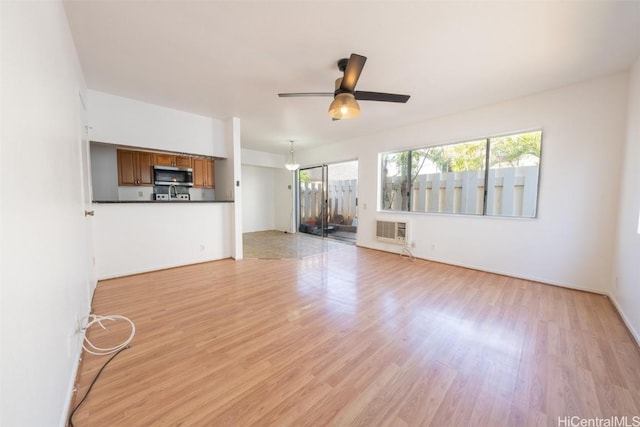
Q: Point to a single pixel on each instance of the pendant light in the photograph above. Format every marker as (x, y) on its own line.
(291, 163)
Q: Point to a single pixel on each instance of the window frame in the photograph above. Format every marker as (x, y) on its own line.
(487, 167)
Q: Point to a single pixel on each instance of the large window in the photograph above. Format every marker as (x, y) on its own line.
(490, 176)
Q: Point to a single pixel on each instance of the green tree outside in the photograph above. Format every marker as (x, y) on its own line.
(508, 151)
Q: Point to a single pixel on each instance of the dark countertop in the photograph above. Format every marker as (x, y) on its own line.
(166, 202)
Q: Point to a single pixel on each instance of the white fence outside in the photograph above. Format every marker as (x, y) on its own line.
(510, 192)
(341, 200)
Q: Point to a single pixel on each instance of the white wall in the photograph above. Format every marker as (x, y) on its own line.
(125, 121)
(284, 202)
(260, 158)
(626, 294)
(258, 203)
(267, 196)
(233, 142)
(572, 240)
(138, 237)
(44, 234)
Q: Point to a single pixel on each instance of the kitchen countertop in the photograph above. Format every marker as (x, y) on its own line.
(163, 201)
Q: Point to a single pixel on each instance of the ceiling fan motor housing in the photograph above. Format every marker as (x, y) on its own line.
(342, 64)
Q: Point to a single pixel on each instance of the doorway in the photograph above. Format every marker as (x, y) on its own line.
(328, 200)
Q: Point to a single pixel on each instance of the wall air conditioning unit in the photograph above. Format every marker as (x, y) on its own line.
(391, 232)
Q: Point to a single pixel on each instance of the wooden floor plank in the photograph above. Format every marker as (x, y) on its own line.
(355, 337)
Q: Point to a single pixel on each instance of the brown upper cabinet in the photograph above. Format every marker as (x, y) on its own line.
(135, 167)
(203, 173)
(165, 159)
(183, 162)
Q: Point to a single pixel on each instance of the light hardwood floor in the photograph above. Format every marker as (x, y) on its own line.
(357, 337)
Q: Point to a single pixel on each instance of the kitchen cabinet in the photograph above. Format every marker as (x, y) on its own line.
(135, 167)
(164, 159)
(183, 161)
(203, 173)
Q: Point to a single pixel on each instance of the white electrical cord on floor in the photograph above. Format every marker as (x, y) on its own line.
(407, 251)
(98, 351)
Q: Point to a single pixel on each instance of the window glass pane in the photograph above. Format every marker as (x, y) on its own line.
(454, 178)
(512, 188)
(395, 185)
(449, 178)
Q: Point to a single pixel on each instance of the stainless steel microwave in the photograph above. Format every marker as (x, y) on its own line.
(169, 175)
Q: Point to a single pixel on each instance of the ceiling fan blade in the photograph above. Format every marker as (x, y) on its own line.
(300, 94)
(379, 96)
(352, 72)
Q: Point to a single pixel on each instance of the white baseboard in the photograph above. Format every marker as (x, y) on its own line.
(625, 319)
(502, 273)
(119, 274)
(72, 383)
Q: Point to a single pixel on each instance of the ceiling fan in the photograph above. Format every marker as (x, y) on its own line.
(345, 97)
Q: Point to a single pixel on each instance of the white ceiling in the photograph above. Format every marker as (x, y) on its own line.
(231, 58)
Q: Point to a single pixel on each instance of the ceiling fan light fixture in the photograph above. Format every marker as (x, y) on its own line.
(344, 106)
(291, 163)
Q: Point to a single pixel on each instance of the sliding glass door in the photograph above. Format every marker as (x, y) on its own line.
(342, 200)
(312, 199)
(328, 200)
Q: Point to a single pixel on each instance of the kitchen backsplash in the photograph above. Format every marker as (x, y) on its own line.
(202, 193)
(129, 193)
(135, 193)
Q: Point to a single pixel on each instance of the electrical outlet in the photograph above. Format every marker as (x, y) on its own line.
(201, 248)
(433, 246)
(140, 194)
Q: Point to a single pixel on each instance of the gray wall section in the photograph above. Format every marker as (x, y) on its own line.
(104, 171)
